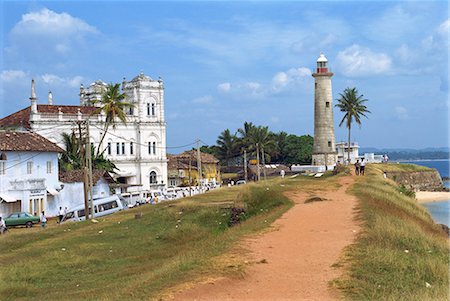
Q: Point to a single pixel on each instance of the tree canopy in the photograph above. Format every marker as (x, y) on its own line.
(279, 147)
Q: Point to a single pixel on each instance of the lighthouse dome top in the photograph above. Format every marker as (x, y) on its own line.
(322, 58)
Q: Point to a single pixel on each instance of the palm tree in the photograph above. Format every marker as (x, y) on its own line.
(70, 158)
(261, 140)
(113, 106)
(101, 163)
(245, 134)
(228, 145)
(353, 106)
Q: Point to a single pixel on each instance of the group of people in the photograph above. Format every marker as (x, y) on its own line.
(360, 167)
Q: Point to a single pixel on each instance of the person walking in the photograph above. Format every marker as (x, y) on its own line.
(61, 215)
(2, 225)
(357, 167)
(363, 167)
(43, 220)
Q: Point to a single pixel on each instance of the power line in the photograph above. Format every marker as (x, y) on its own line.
(26, 160)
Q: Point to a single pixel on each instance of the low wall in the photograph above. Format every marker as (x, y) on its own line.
(418, 180)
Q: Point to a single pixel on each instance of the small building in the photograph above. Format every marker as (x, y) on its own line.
(72, 193)
(183, 170)
(342, 149)
(28, 173)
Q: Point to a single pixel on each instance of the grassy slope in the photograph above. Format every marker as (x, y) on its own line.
(400, 248)
(135, 259)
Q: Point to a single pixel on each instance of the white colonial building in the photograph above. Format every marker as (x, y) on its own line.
(28, 173)
(342, 149)
(137, 148)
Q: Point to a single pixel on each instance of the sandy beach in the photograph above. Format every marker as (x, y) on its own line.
(432, 196)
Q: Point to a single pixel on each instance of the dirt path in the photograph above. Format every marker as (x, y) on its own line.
(306, 241)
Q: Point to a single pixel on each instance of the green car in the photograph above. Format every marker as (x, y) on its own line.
(21, 219)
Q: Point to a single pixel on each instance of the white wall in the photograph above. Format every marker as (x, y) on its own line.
(18, 184)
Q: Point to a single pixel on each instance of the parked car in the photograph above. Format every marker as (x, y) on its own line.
(21, 219)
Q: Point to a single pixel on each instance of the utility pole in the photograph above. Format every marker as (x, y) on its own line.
(89, 166)
(245, 166)
(199, 163)
(263, 162)
(190, 178)
(257, 162)
(85, 173)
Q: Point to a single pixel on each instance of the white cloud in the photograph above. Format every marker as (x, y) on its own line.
(401, 113)
(224, 87)
(203, 99)
(13, 75)
(361, 61)
(294, 75)
(444, 28)
(405, 53)
(439, 39)
(48, 22)
(44, 35)
(55, 80)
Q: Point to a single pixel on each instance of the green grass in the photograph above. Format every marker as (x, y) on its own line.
(400, 167)
(400, 248)
(136, 259)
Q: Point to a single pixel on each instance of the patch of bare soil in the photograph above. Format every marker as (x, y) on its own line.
(296, 257)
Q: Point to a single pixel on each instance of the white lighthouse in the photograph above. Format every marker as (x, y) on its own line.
(324, 150)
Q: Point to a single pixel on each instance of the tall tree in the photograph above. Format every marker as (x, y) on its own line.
(279, 153)
(352, 105)
(71, 158)
(113, 106)
(245, 133)
(228, 145)
(263, 137)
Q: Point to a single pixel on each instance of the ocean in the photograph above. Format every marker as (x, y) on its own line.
(440, 211)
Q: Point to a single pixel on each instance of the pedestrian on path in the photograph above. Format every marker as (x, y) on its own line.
(2, 225)
(61, 215)
(357, 167)
(363, 167)
(43, 220)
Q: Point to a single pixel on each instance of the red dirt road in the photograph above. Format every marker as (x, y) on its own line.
(305, 242)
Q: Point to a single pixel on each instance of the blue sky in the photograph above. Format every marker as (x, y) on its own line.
(224, 63)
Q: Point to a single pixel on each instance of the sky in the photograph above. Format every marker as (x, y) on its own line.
(224, 63)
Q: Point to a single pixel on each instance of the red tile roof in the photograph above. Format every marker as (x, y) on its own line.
(181, 161)
(26, 142)
(78, 176)
(205, 158)
(22, 117)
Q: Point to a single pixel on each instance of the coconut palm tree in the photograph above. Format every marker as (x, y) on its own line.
(353, 106)
(263, 137)
(228, 145)
(245, 134)
(70, 158)
(113, 106)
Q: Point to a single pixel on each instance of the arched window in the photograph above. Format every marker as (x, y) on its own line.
(153, 109)
(153, 178)
(3, 157)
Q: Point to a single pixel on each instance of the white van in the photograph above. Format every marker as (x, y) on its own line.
(102, 207)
